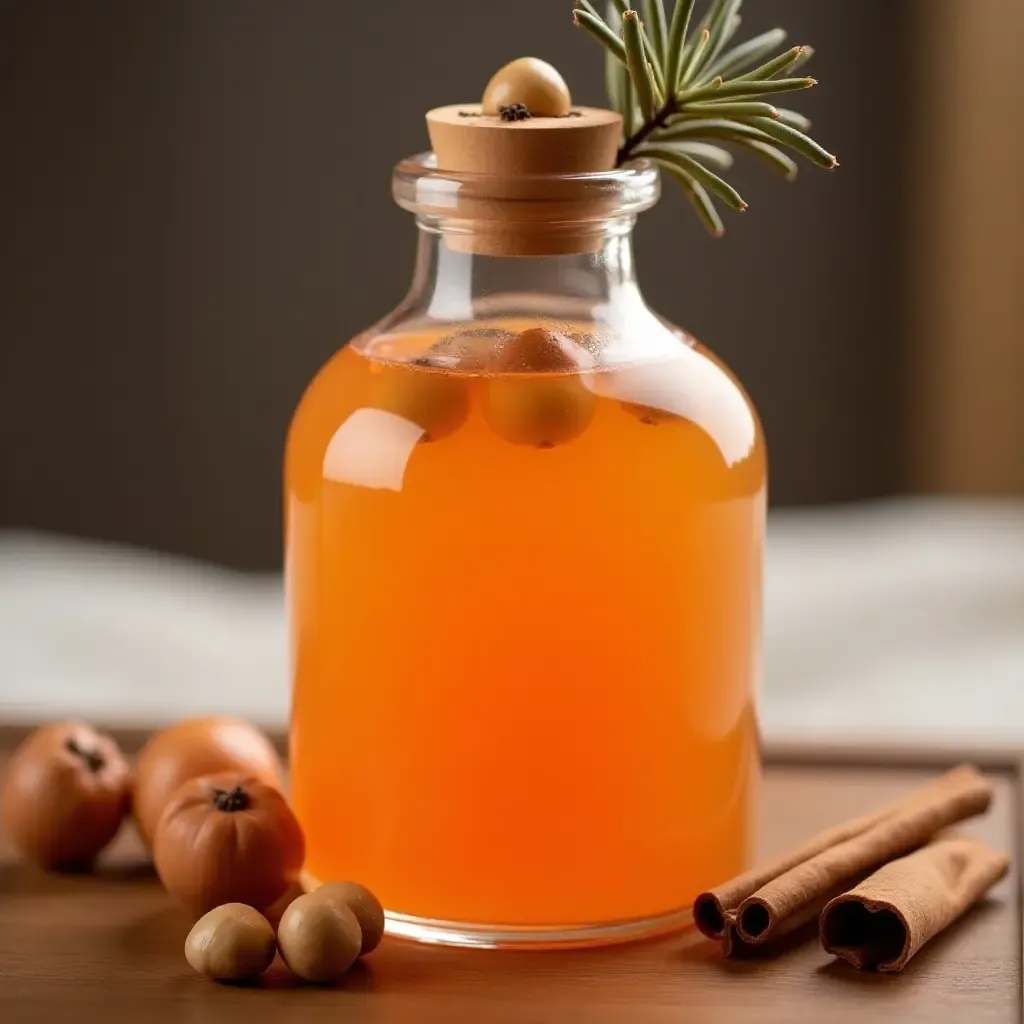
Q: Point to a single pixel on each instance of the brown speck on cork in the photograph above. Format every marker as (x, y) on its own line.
(515, 112)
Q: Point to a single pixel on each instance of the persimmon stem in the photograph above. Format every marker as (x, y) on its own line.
(230, 800)
(93, 759)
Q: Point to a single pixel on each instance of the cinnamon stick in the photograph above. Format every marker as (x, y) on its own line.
(757, 903)
(886, 919)
(733, 944)
(714, 910)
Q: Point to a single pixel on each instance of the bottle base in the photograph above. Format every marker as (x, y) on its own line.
(435, 932)
(483, 936)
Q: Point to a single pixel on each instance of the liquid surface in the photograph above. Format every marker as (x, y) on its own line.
(524, 620)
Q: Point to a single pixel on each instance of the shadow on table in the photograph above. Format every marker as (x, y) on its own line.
(700, 950)
(20, 878)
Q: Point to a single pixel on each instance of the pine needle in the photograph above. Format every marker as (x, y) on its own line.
(699, 200)
(677, 42)
(654, 17)
(747, 53)
(636, 61)
(774, 158)
(781, 63)
(711, 181)
(802, 144)
(600, 31)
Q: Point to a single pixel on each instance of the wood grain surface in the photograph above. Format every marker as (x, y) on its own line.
(108, 947)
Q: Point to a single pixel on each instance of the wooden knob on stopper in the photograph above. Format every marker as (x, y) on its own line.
(527, 86)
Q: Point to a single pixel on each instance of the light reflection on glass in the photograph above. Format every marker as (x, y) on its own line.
(690, 386)
(371, 449)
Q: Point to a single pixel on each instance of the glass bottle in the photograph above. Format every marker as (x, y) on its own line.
(525, 521)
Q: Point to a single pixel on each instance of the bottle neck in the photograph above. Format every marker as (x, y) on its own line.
(452, 283)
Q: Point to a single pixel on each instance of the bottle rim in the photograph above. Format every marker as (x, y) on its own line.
(418, 185)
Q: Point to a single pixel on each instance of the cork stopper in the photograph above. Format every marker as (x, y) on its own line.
(525, 140)
(466, 140)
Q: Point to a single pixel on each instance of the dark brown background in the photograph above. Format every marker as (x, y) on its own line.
(196, 213)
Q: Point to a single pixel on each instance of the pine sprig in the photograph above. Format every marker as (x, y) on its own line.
(683, 92)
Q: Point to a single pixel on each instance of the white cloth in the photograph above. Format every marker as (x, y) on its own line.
(899, 620)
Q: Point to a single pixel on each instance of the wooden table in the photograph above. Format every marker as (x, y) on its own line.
(108, 947)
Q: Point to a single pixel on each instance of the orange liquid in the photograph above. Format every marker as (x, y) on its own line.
(523, 677)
